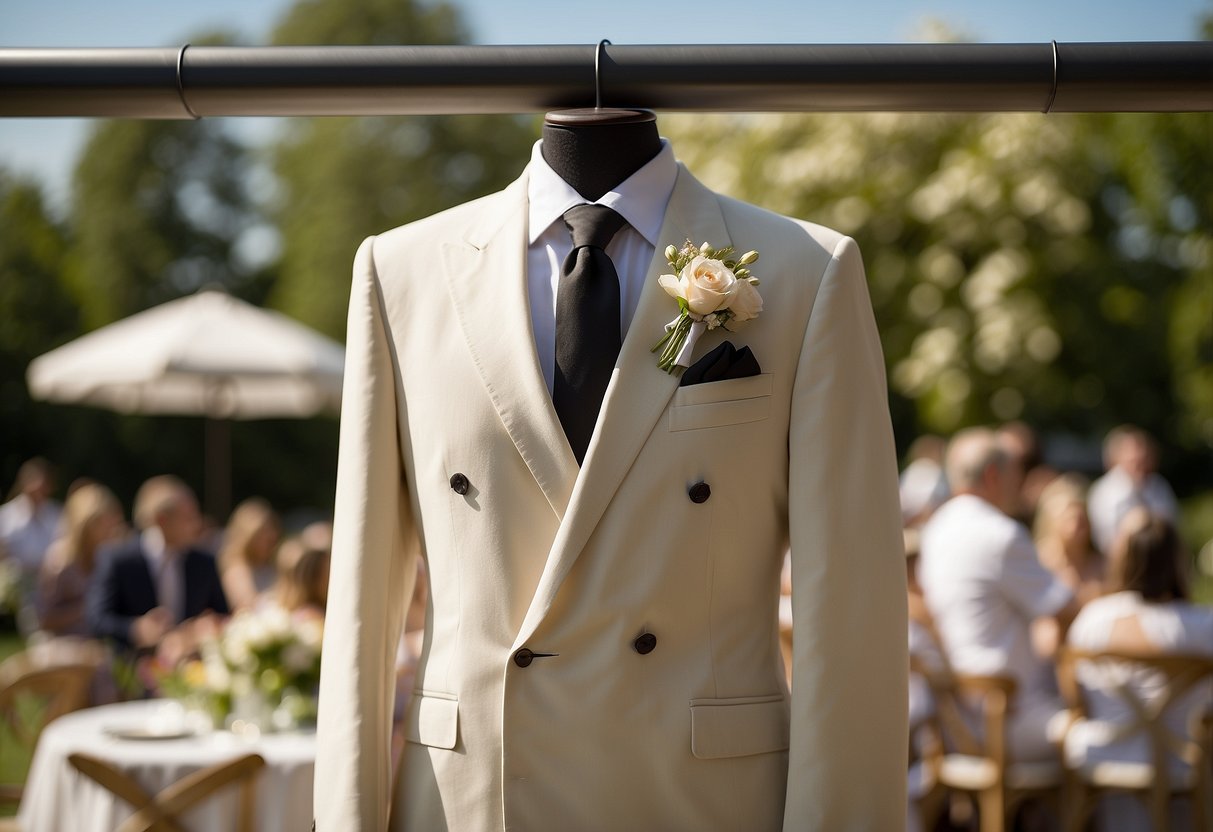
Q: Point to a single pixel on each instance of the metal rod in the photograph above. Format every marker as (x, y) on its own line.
(408, 80)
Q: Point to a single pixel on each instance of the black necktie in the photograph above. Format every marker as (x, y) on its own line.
(587, 323)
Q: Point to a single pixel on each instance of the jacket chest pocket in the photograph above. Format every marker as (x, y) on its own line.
(733, 401)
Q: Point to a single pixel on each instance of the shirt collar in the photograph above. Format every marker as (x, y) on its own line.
(153, 543)
(640, 199)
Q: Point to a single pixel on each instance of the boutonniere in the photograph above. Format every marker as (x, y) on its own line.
(712, 290)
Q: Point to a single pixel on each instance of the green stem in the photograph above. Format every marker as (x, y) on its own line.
(674, 341)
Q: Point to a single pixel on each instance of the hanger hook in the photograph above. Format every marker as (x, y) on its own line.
(181, 82)
(1053, 90)
(597, 76)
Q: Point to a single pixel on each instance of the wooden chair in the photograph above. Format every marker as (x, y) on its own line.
(974, 763)
(1150, 781)
(161, 812)
(40, 684)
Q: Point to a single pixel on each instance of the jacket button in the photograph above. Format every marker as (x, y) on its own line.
(460, 484)
(700, 492)
(524, 657)
(644, 644)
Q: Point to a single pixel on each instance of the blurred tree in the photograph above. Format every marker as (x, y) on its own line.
(342, 179)
(37, 313)
(157, 209)
(1054, 269)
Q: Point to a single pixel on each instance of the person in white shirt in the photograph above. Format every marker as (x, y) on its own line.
(1131, 481)
(922, 485)
(984, 586)
(29, 521)
(1147, 612)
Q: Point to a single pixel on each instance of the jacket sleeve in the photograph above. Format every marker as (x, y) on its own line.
(847, 752)
(217, 599)
(101, 601)
(371, 577)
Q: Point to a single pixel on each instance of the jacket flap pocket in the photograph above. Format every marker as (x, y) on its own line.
(738, 727)
(433, 719)
(731, 388)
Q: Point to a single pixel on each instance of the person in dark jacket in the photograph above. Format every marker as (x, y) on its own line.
(154, 587)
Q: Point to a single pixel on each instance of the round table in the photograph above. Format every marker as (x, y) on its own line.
(58, 797)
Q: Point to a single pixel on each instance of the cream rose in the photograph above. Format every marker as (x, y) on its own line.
(746, 302)
(707, 285)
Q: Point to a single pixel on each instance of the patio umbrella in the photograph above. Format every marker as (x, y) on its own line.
(208, 354)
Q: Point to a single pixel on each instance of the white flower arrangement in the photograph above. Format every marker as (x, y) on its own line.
(263, 660)
(273, 651)
(712, 290)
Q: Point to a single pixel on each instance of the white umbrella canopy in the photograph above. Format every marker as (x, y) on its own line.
(207, 354)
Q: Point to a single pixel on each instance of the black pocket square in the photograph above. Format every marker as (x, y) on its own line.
(724, 362)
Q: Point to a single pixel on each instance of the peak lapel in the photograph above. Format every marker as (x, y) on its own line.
(636, 397)
(486, 275)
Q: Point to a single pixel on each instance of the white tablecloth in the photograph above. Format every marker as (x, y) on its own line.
(58, 798)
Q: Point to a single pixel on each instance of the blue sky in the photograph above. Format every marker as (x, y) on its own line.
(47, 148)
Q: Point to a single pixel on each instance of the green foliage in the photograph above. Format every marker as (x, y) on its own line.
(369, 22)
(156, 211)
(1054, 269)
(342, 179)
(37, 315)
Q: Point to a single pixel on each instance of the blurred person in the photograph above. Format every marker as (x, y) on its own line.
(246, 559)
(1022, 446)
(318, 535)
(29, 521)
(1131, 460)
(303, 574)
(1063, 537)
(984, 585)
(156, 590)
(1146, 611)
(92, 518)
(922, 485)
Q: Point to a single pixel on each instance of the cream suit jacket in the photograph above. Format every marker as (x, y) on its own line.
(700, 733)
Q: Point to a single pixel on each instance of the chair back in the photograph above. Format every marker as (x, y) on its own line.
(965, 741)
(970, 710)
(38, 685)
(162, 812)
(1177, 675)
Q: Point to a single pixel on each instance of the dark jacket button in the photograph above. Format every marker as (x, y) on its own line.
(645, 644)
(460, 484)
(700, 492)
(524, 657)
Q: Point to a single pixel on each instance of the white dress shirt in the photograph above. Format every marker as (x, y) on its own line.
(1114, 494)
(166, 569)
(1173, 627)
(26, 531)
(640, 200)
(984, 585)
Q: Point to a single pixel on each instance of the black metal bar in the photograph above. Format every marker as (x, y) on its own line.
(383, 80)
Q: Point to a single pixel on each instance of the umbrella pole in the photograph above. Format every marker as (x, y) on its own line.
(218, 468)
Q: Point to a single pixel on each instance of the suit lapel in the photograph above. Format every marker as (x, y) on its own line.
(636, 397)
(487, 279)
